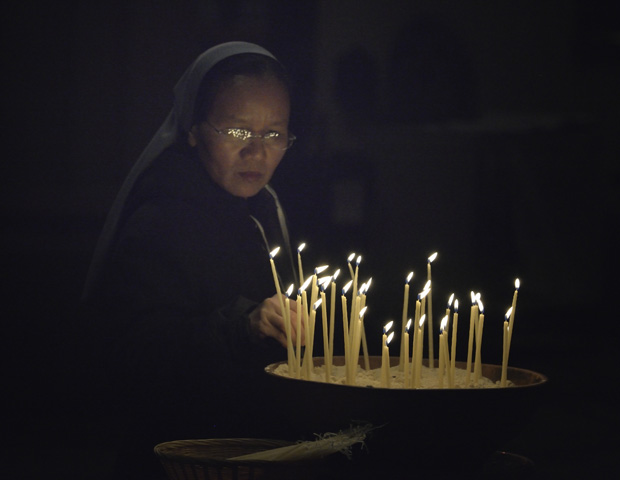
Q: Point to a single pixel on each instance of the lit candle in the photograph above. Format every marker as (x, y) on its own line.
(513, 311)
(385, 355)
(419, 352)
(448, 310)
(315, 306)
(299, 266)
(455, 321)
(470, 344)
(308, 337)
(431, 355)
(479, 329)
(345, 328)
(357, 343)
(332, 316)
(406, 379)
(326, 359)
(287, 328)
(404, 321)
(442, 350)
(363, 292)
(349, 260)
(355, 275)
(505, 351)
(418, 312)
(276, 280)
(315, 284)
(427, 290)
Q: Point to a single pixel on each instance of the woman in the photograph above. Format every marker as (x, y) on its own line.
(180, 288)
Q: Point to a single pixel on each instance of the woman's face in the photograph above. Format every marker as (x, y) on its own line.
(258, 104)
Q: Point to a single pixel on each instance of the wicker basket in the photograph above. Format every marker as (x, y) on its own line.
(206, 459)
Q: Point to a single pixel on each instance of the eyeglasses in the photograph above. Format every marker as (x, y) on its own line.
(242, 136)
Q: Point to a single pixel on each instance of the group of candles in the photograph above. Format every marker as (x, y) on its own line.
(300, 360)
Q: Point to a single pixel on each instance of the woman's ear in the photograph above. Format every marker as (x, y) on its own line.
(191, 136)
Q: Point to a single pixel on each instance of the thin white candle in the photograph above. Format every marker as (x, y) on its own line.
(308, 336)
(363, 292)
(357, 342)
(346, 334)
(418, 313)
(299, 265)
(276, 280)
(355, 275)
(349, 260)
(389, 340)
(455, 320)
(470, 344)
(448, 311)
(385, 355)
(332, 315)
(315, 306)
(298, 342)
(406, 379)
(479, 329)
(326, 359)
(404, 321)
(513, 311)
(505, 351)
(419, 352)
(288, 328)
(442, 349)
(431, 355)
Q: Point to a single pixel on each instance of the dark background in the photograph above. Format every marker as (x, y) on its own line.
(486, 131)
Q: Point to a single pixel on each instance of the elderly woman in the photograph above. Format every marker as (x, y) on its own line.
(180, 290)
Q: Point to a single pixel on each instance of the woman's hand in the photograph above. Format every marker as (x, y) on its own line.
(266, 320)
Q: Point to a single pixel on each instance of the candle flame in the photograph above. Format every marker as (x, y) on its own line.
(456, 306)
(362, 312)
(359, 260)
(335, 276)
(389, 338)
(508, 313)
(517, 284)
(387, 326)
(450, 300)
(351, 257)
(475, 297)
(324, 282)
(274, 252)
(422, 320)
(480, 306)
(289, 290)
(427, 285)
(409, 277)
(444, 324)
(423, 294)
(320, 269)
(301, 247)
(305, 285)
(432, 257)
(345, 289)
(317, 304)
(408, 326)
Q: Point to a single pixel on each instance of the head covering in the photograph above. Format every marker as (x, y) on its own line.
(179, 119)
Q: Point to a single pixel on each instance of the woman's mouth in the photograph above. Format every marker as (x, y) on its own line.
(251, 176)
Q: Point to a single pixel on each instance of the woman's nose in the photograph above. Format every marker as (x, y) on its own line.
(255, 149)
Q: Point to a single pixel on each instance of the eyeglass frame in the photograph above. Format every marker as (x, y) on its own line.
(228, 133)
